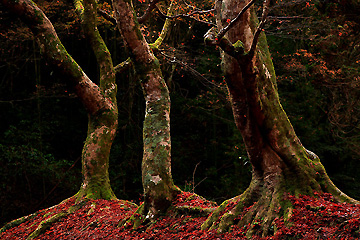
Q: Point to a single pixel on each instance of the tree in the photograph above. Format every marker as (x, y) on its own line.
(281, 165)
(100, 101)
(103, 124)
(159, 189)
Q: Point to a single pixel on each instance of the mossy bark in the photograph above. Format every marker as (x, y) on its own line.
(159, 189)
(100, 103)
(166, 27)
(102, 125)
(280, 163)
(95, 157)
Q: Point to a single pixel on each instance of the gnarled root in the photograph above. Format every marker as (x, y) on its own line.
(264, 202)
(38, 223)
(184, 203)
(46, 224)
(254, 210)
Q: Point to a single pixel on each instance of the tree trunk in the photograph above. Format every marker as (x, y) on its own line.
(281, 165)
(103, 125)
(100, 103)
(159, 189)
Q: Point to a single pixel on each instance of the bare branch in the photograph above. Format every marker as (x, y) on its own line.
(278, 18)
(235, 20)
(146, 15)
(107, 16)
(200, 77)
(123, 66)
(260, 27)
(190, 6)
(165, 29)
(189, 15)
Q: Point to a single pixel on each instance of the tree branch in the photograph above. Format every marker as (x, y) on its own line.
(236, 50)
(190, 6)
(146, 15)
(107, 16)
(232, 23)
(87, 11)
(189, 15)
(165, 29)
(121, 67)
(260, 27)
(56, 54)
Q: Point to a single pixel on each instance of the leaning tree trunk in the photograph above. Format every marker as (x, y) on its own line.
(159, 189)
(100, 103)
(280, 163)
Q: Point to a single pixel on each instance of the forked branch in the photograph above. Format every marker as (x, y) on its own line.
(236, 50)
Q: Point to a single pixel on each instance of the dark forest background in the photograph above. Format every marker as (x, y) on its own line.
(315, 47)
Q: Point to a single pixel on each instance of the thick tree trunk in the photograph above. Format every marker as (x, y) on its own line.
(281, 165)
(159, 189)
(100, 103)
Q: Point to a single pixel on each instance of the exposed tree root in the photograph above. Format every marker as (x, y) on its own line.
(262, 203)
(184, 203)
(48, 217)
(194, 211)
(17, 222)
(46, 224)
(254, 209)
(135, 220)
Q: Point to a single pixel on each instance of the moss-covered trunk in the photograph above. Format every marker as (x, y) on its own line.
(95, 156)
(159, 189)
(100, 103)
(281, 165)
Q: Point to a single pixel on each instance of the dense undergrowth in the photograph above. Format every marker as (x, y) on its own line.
(313, 217)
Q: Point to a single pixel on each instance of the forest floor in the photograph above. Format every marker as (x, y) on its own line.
(316, 217)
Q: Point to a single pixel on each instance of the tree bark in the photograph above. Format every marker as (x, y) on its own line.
(102, 126)
(100, 103)
(159, 189)
(280, 163)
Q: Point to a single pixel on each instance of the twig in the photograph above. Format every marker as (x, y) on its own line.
(146, 15)
(107, 16)
(189, 15)
(123, 66)
(193, 181)
(193, 71)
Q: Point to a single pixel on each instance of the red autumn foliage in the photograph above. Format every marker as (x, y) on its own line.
(313, 217)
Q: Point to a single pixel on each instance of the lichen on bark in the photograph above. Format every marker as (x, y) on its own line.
(159, 189)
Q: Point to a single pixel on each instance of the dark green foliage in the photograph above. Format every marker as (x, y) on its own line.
(37, 161)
